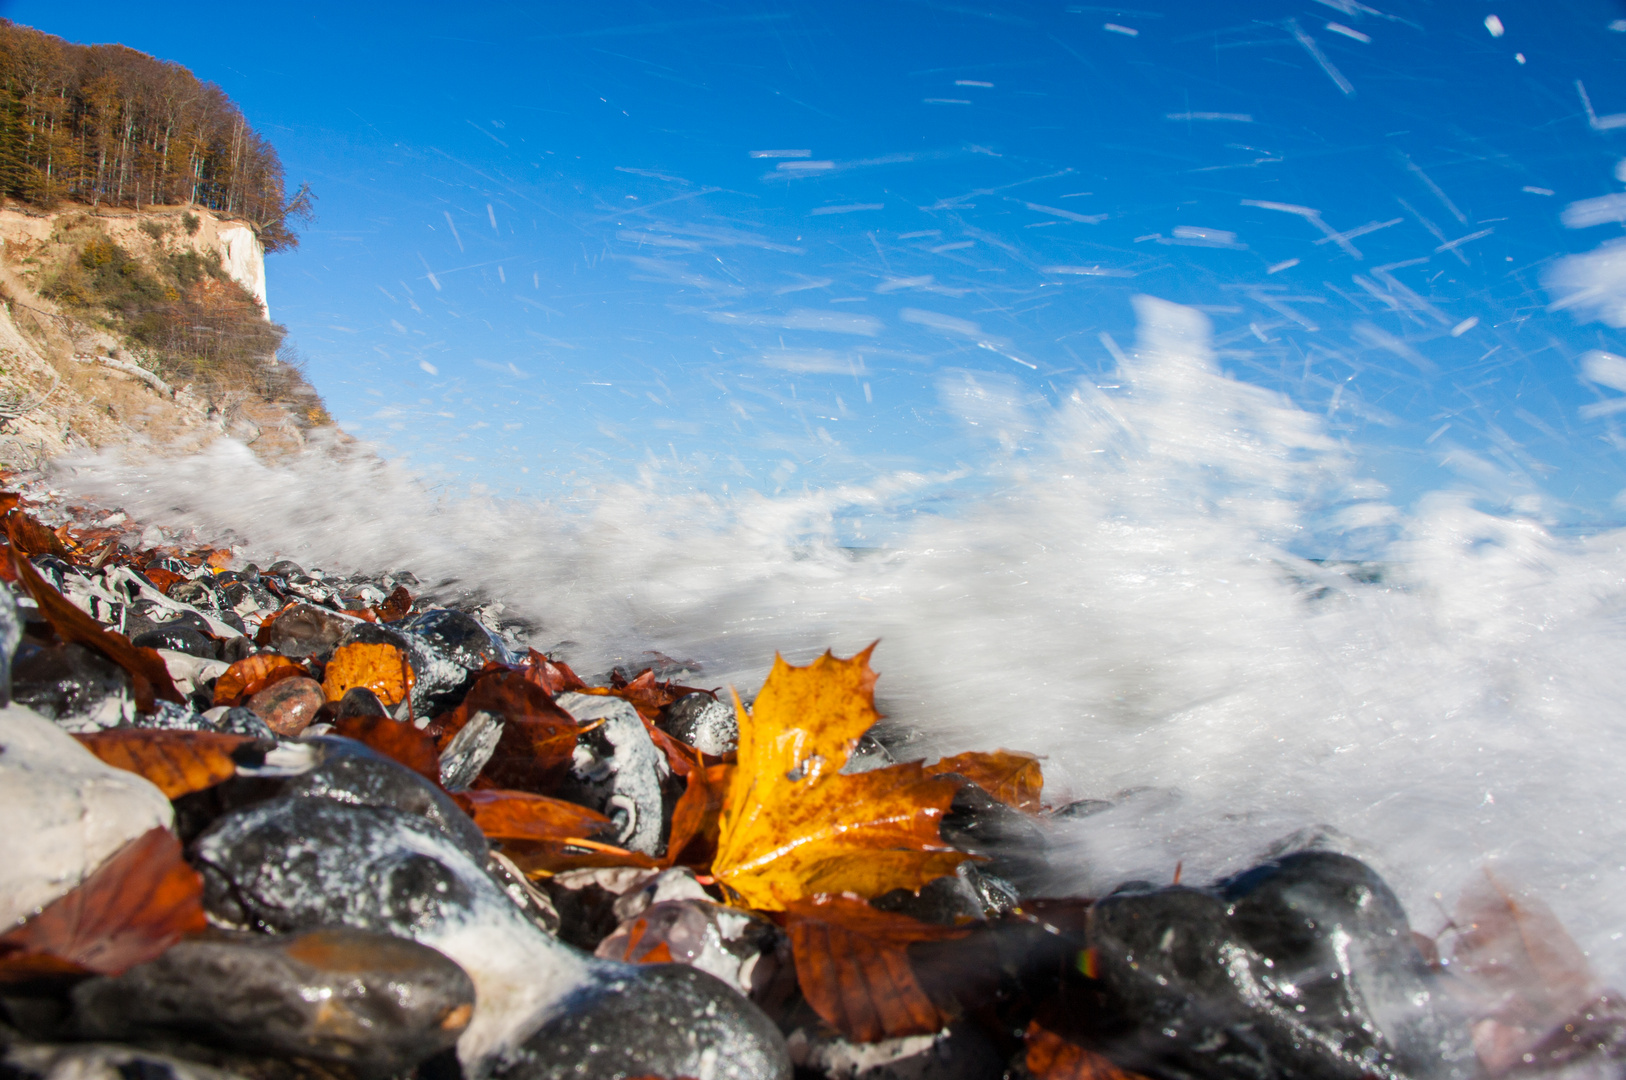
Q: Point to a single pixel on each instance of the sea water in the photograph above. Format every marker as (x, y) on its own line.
(1141, 597)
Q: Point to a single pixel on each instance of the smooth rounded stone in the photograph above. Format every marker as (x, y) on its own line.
(288, 705)
(618, 771)
(945, 901)
(307, 630)
(241, 721)
(722, 941)
(359, 701)
(65, 812)
(1011, 842)
(1303, 966)
(293, 864)
(678, 883)
(78, 687)
(439, 682)
(352, 773)
(177, 636)
(705, 723)
(245, 597)
(285, 568)
(100, 1061)
(190, 672)
(470, 750)
(959, 1053)
(377, 1003)
(196, 593)
(586, 899)
(654, 1020)
(458, 636)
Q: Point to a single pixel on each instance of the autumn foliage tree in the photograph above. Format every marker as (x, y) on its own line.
(108, 126)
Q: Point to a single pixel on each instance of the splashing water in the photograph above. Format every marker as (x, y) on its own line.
(1127, 597)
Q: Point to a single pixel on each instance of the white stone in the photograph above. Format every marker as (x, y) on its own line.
(65, 812)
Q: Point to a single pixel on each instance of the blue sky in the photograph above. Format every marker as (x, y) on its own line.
(753, 242)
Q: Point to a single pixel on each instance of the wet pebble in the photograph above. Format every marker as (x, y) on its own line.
(1303, 966)
(705, 723)
(618, 771)
(178, 636)
(470, 750)
(308, 630)
(374, 1002)
(76, 686)
(98, 1061)
(458, 636)
(288, 705)
(722, 941)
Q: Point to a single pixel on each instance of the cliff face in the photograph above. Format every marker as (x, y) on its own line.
(148, 328)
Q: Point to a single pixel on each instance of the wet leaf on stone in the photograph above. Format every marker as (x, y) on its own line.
(176, 762)
(379, 667)
(692, 840)
(163, 579)
(540, 858)
(398, 605)
(250, 675)
(1013, 778)
(793, 826)
(130, 909)
(394, 739)
(554, 676)
(149, 677)
(853, 966)
(1051, 1057)
(538, 737)
(1528, 973)
(519, 815)
(644, 693)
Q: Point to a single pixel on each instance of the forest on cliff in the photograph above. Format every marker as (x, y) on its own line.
(105, 125)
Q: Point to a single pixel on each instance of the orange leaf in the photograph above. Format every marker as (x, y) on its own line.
(163, 579)
(128, 911)
(394, 739)
(1051, 1057)
(853, 966)
(381, 668)
(149, 677)
(30, 537)
(793, 826)
(554, 676)
(176, 762)
(1013, 778)
(543, 857)
(250, 675)
(693, 837)
(519, 815)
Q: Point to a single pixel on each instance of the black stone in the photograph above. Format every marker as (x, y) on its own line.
(68, 682)
(285, 568)
(352, 773)
(359, 701)
(439, 681)
(179, 637)
(376, 1003)
(656, 1020)
(458, 636)
(1012, 844)
(307, 630)
(1302, 967)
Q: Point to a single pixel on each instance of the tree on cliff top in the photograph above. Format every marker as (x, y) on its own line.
(106, 125)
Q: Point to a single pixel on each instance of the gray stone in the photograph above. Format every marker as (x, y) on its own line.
(705, 723)
(469, 751)
(95, 1061)
(618, 771)
(78, 687)
(378, 1003)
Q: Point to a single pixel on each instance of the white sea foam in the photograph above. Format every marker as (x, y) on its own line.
(1122, 591)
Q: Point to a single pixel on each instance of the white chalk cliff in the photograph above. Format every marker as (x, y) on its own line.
(242, 257)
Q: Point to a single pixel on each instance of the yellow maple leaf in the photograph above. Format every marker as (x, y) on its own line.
(793, 826)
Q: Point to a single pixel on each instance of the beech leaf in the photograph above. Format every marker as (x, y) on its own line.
(379, 667)
(394, 739)
(519, 815)
(1013, 778)
(1051, 1057)
(250, 675)
(176, 762)
(793, 826)
(130, 909)
(853, 966)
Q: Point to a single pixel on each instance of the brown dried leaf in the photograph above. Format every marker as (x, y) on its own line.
(394, 739)
(539, 858)
(793, 826)
(853, 966)
(538, 737)
(128, 911)
(1013, 778)
(519, 815)
(250, 675)
(30, 537)
(1051, 1057)
(554, 676)
(176, 762)
(148, 675)
(692, 840)
(398, 605)
(379, 667)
